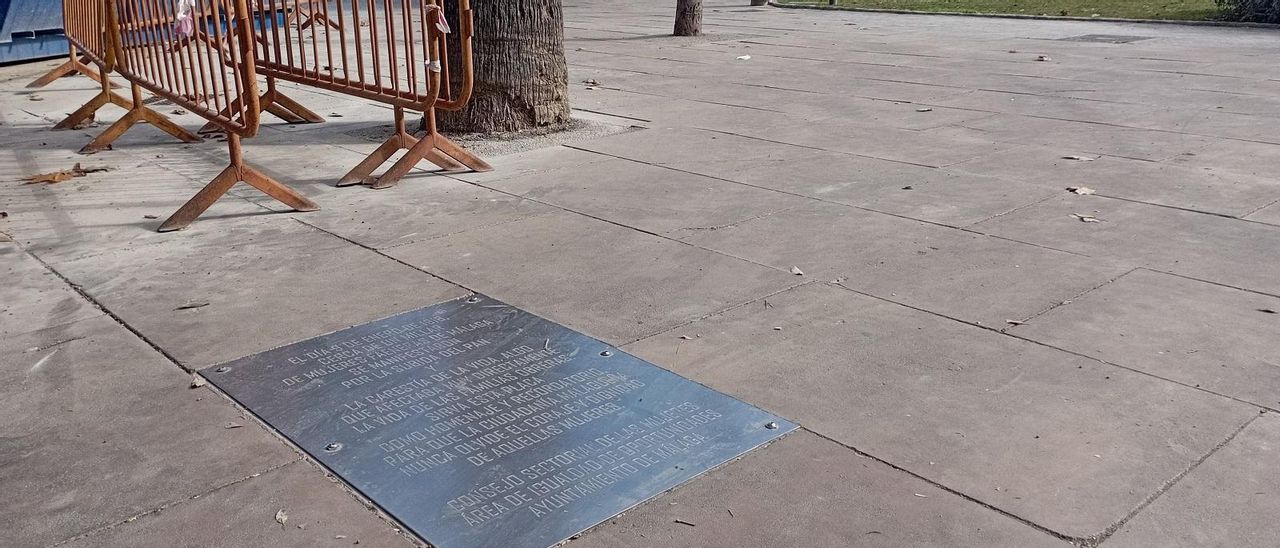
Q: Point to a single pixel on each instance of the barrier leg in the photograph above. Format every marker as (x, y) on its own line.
(89, 110)
(363, 172)
(75, 64)
(435, 148)
(138, 113)
(275, 102)
(237, 172)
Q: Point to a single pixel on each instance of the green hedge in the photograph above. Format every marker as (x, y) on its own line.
(1257, 11)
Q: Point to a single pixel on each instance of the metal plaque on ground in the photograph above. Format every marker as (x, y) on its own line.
(475, 423)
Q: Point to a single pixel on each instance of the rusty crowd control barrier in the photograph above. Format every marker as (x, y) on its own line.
(390, 51)
(209, 70)
(81, 25)
(87, 26)
(273, 100)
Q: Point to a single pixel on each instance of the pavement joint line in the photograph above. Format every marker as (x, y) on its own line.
(1047, 345)
(1014, 210)
(822, 200)
(380, 253)
(1111, 530)
(1260, 208)
(98, 305)
(1211, 282)
(429, 238)
(744, 304)
(171, 504)
(623, 116)
(703, 101)
(810, 147)
(637, 56)
(1066, 302)
(942, 487)
(740, 221)
(1187, 209)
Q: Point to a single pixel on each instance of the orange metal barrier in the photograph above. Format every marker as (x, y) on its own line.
(76, 24)
(88, 29)
(390, 51)
(211, 73)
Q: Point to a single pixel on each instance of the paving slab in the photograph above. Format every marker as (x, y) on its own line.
(421, 208)
(564, 267)
(1208, 247)
(266, 284)
(318, 512)
(33, 298)
(649, 197)
(1139, 144)
(1066, 442)
(1229, 500)
(951, 272)
(1263, 159)
(100, 428)
(695, 150)
(1196, 333)
(1212, 191)
(925, 193)
(925, 148)
(819, 493)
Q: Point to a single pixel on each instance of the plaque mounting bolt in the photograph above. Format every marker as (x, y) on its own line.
(222, 369)
(473, 299)
(333, 447)
(606, 353)
(771, 425)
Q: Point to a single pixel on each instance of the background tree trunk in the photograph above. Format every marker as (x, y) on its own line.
(522, 81)
(688, 17)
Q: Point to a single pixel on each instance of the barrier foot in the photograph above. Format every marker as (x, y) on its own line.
(432, 147)
(88, 111)
(363, 172)
(138, 113)
(276, 103)
(237, 172)
(76, 64)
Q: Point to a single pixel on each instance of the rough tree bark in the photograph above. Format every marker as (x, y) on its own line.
(688, 17)
(521, 79)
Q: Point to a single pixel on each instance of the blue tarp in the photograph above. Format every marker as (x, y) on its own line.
(31, 29)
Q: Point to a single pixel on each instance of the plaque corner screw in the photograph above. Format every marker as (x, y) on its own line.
(473, 299)
(606, 353)
(771, 425)
(333, 447)
(222, 369)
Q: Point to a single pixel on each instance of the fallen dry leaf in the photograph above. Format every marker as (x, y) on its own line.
(193, 304)
(924, 109)
(1081, 190)
(282, 516)
(1043, 58)
(591, 82)
(1086, 218)
(197, 381)
(62, 175)
(1015, 322)
(1079, 158)
(744, 57)
(232, 425)
(796, 270)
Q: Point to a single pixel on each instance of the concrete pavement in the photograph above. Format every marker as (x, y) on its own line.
(971, 362)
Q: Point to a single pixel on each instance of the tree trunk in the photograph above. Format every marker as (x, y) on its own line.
(688, 17)
(521, 79)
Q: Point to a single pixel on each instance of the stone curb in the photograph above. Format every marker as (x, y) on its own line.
(777, 4)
